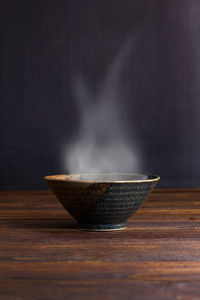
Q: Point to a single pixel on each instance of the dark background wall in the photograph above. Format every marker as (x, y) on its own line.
(43, 43)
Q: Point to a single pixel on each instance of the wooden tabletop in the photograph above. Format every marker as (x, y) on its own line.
(44, 256)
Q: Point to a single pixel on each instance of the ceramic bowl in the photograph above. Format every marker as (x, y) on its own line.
(101, 202)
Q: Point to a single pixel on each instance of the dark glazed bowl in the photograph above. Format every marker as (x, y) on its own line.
(101, 202)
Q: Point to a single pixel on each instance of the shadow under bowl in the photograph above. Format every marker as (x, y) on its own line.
(102, 202)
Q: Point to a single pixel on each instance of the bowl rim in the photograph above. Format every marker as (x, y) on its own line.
(69, 178)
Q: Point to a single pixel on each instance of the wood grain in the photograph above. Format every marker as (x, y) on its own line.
(44, 256)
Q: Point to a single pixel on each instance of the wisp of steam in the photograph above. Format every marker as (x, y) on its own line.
(102, 144)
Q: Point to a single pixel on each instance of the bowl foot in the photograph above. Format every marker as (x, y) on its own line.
(102, 227)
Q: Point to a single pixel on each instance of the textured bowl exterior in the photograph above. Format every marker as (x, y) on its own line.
(101, 206)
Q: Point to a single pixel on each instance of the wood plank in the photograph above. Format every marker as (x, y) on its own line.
(44, 256)
(17, 289)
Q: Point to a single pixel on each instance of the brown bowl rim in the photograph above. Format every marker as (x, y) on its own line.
(73, 178)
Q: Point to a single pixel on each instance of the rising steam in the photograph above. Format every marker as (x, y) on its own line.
(102, 145)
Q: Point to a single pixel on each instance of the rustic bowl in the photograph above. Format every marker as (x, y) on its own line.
(101, 202)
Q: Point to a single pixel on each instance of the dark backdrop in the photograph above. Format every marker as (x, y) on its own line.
(44, 42)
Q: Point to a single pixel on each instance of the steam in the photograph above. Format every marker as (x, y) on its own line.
(102, 145)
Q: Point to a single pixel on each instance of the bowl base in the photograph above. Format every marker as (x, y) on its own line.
(102, 227)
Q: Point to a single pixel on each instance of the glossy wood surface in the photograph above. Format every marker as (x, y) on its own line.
(44, 256)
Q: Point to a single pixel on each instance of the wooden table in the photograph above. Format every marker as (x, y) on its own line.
(44, 256)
